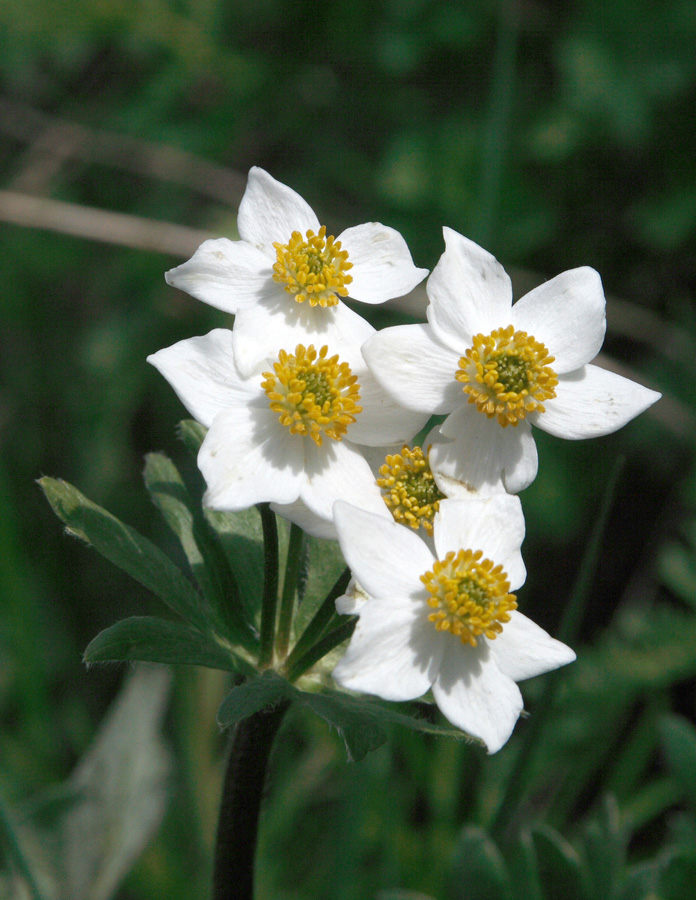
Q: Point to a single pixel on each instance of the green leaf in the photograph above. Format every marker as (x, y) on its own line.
(559, 866)
(325, 564)
(679, 741)
(605, 850)
(124, 547)
(360, 721)
(355, 724)
(239, 533)
(150, 639)
(253, 695)
(192, 434)
(200, 544)
(241, 538)
(479, 871)
(23, 847)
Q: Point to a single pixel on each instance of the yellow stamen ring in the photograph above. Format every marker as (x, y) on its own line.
(313, 395)
(507, 374)
(313, 268)
(469, 595)
(409, 488)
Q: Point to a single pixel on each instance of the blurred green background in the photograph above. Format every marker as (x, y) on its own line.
(557, 133)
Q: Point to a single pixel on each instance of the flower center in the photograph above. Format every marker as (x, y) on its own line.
(313, 268)
(313, 395)
(469, 596)
(409, 488)
(507, 374)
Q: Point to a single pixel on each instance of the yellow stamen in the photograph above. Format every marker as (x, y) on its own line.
(469, 595)
(507, 374)
(409, 488)
(313, 268)
(313, 395)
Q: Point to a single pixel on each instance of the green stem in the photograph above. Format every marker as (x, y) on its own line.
(296, 548)
(242, 791)
(567, 632)
(335, 637)
(269, 601)
(319, 621)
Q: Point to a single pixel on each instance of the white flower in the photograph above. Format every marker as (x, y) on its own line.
(285, 277)
(289, 431)
(412, 636)
(406, 485)
(489, 364)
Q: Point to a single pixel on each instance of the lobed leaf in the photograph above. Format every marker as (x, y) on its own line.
(124, 547)
(151, 639)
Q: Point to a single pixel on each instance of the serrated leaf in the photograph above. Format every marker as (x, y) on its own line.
(200, 544)
(361, 720)
(559, 865)
(151, 639)
(478, 870)
(679, 742)
(123, 546)
(251, 696)
(355, 724)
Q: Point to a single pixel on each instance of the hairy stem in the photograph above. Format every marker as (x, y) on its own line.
(249, 751)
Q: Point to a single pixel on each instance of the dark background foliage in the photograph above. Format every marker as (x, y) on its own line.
(558, 134)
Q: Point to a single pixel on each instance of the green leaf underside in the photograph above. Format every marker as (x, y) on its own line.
(151, 639)
(200, 544)
(123, 546)
(359, 721)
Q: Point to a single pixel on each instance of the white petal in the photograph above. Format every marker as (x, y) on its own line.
(228, 275)
(524, 650)
(352, 602)
(387, 559)
(382, 420)
(494, 525)
(481, 457)
(414, 368)
(281, 323)
(391, 653)
(338, 471)
(247, 457)
(382, 264)
(567, 314)
(474, 694)
(270, 211)
(299, 514)
(469, 291)
(591, 402)
(203, 373)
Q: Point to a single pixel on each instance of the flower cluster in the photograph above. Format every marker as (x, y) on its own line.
(310, 409)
